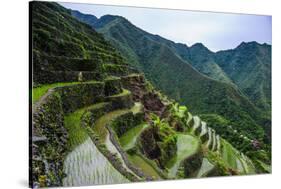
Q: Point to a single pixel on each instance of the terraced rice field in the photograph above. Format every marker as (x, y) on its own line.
(144, 166)
(205, 167)
(197, 123)
(187, 145)
(128, 139)
(85, 165)
(39, 91)
(103, 133)
(72, 122)
(231, 157)
(99, 126)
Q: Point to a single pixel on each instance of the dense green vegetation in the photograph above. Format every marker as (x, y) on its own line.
(77, 134)
(137, 130)
(252, 73)
(57, 33)
(236, 97)
(63, 45)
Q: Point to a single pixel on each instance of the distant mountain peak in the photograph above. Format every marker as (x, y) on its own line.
(110, 16)
(250, 44)
(86, 18)
(83, 14)
(200, 46)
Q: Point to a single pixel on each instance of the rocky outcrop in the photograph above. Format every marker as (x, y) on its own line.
(136, 84)
(148, 144)
(157, 146)
(141, 93)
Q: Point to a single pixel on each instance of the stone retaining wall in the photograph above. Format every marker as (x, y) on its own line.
(48, 77)
(115, 142)
(49, 136)
(80, 95)
(127, 121)
(49, 139)
(114, 160)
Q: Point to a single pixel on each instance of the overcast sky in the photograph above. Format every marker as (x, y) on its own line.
(217, 31)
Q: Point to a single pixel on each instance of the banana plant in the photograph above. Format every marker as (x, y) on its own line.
(179, 116)
(179, 111)
(157, 122)
(162, 126)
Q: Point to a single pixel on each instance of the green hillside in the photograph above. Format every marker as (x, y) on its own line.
(62, 46)
(97, 120)
(249, 66)
(203, 60)
(176, 78)
(200, 57)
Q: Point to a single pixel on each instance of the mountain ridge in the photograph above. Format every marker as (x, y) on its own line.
(130, 40)
(96, 106)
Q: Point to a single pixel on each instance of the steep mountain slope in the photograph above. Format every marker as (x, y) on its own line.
(62, 46)
(249, 66)
(87, 18)
(199, 56)
(203, 60)
(245, 67)
(112, 128)
(171, 74)
(70, 64)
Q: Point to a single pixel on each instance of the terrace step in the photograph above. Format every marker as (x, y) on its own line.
(63, 63)
(187, 146)
(118, 69)
(209, 141)
(248, 165)
(206, 168)
(121, 100)
(199, 129)
(204, 132)
(112, 86)
(234, 159)
(102, 121)
(80, 95)
(86, 165)
(218, 142)
(189, 121)
(214, 144)
(48, 77)
(99, 109)
(129, 138)
(196, 125)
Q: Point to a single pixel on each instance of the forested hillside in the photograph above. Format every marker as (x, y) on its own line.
(98, 116)
(181, 73)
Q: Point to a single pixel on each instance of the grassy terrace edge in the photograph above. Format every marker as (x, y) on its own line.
(38, 92)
